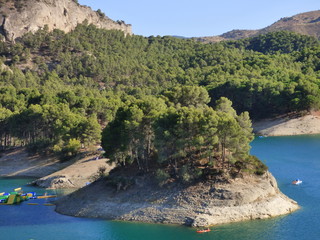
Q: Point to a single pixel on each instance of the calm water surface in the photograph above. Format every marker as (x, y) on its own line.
(287, 158)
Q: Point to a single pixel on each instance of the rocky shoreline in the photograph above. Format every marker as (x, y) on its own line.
(204, 204)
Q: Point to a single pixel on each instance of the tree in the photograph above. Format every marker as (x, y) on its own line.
(246, 137)
(119, 137)
(225, 105)
(185, 135)
(234, 133)
(5, 115)
(188, 96)
(228, 135)
(89, 130)
(130, 137)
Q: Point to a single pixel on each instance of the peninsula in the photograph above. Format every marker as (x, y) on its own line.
(203, 204)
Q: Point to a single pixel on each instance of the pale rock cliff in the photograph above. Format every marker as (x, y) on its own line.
(203, 204)
(31, 15)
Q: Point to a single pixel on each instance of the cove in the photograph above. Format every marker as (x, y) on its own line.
(287, 158)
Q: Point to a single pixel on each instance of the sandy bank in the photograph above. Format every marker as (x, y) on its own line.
(204, 204)
(289, 125)
(18, 162)
(51, 173)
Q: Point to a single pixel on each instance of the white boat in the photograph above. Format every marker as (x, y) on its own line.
(297, 182)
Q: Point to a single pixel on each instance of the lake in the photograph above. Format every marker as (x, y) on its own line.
(288, 158)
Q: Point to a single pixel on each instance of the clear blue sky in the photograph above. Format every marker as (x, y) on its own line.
(197, 18)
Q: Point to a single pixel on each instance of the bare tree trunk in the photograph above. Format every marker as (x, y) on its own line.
(5, 141)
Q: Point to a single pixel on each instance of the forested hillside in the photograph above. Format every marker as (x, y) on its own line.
(57, 91)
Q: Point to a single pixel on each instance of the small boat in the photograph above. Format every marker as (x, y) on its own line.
(296, 182)
(204, 230)
(262, 136)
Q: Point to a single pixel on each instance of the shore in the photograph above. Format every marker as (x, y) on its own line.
(50, 171)
(289, 125)
(203, 204)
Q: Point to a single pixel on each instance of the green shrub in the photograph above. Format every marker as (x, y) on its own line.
(67, 150)
(258, 167)
(162, 177)
(189, 174)
(185, 175)
(99, 174)
(120, 183)
(41, 147)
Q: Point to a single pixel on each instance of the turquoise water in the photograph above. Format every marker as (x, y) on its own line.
(287, 158)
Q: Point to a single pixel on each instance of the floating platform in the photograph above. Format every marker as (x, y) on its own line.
(47, 196)
(17, 196)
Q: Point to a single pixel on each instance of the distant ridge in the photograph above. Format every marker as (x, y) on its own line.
(180, 37)
(307, 23)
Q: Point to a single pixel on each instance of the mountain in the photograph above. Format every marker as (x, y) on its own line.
(18, 17)
(305, 23)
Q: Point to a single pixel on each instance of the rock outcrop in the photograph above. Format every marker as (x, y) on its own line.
(20, 17)
(54, 182)
(203, 204)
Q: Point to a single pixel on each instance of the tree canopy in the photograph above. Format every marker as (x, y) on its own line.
(159, 99)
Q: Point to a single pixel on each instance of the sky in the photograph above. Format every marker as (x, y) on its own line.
(199, 18)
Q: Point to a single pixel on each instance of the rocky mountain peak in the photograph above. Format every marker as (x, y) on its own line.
(18, 17)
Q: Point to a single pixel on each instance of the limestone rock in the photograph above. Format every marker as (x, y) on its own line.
(203, 204)
(32, 15)
(59, 181)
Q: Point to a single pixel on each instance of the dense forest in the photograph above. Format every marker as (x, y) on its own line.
(180, 102)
